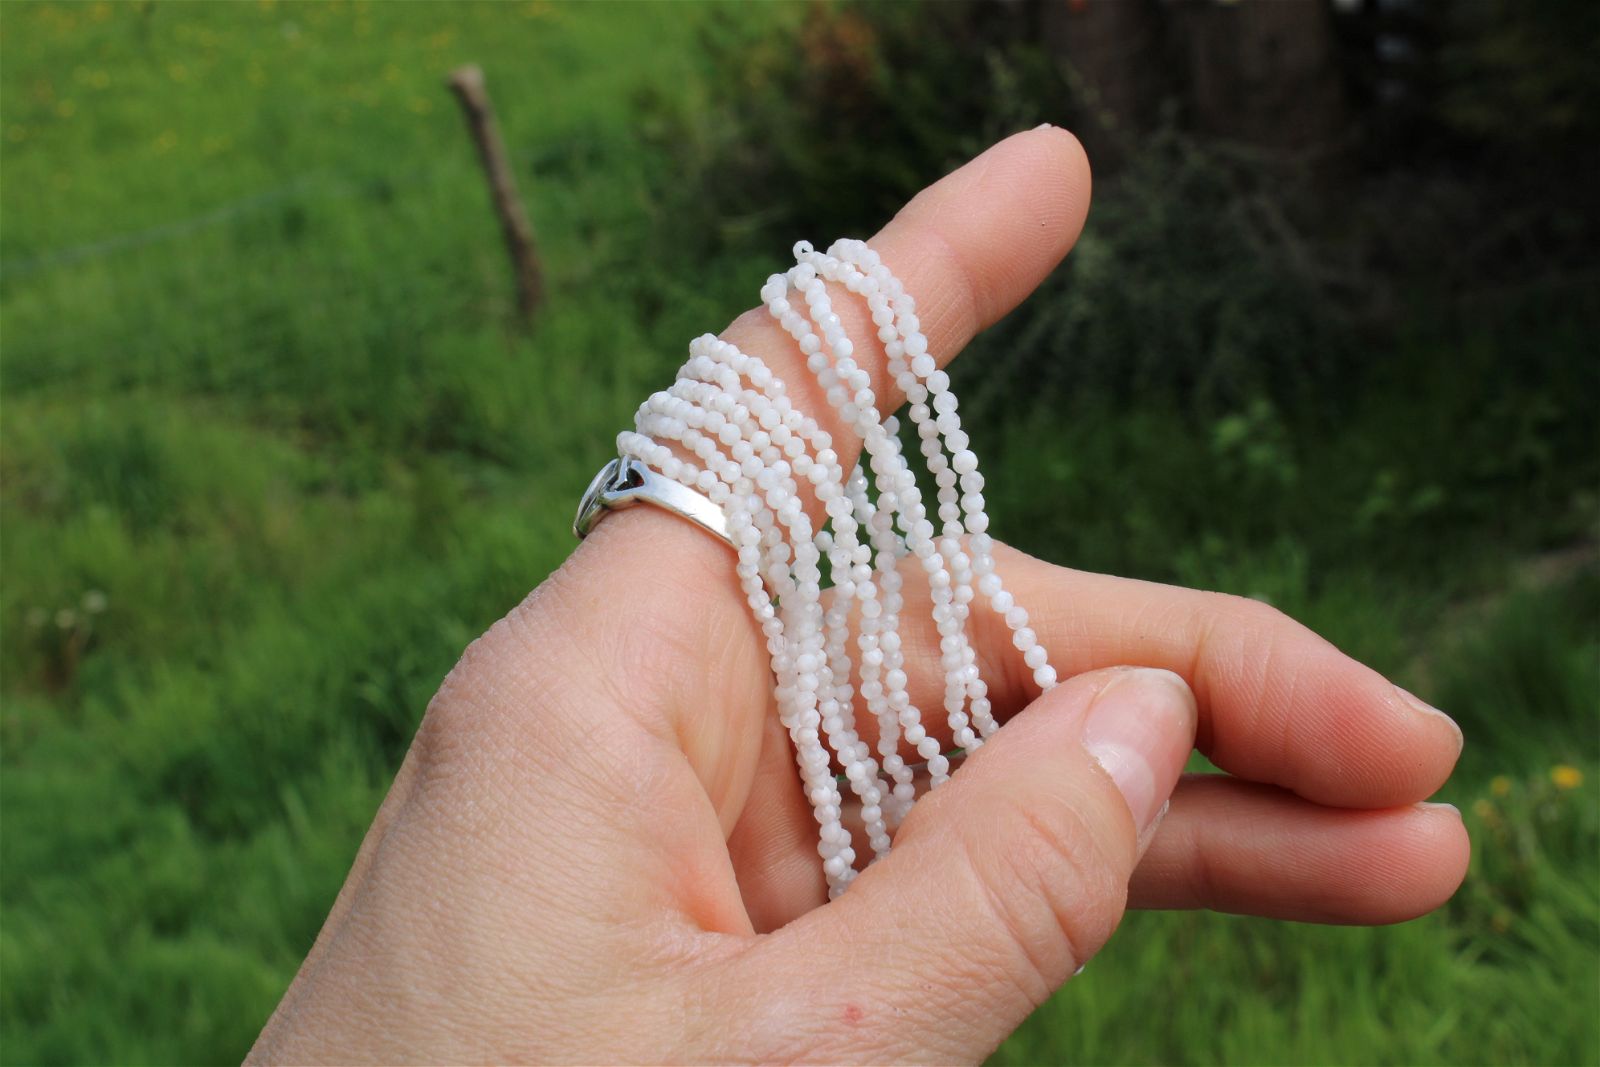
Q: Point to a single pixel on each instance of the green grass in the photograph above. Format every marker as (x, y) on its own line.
(273, 453)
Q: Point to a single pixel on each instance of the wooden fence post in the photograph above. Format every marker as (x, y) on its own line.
(468, 85)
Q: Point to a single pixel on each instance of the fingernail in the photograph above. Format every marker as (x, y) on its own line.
(1437, 805)
(1417, 704)
(1044, 126)
(1140, 729)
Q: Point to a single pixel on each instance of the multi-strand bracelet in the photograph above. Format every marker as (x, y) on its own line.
(727, 447)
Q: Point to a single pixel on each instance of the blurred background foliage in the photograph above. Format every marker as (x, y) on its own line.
(274, 448)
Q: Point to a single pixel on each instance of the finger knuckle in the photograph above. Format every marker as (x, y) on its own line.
(1052, 889)
(486, 690)
(456, 709)
(1248, 611)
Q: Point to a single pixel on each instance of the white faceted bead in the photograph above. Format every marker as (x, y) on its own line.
(754, 445)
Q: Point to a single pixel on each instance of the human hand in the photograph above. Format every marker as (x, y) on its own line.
(597, 849)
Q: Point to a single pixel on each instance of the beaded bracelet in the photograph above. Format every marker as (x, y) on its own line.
(752, 449)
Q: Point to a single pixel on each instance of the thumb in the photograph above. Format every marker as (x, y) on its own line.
(1002, 883)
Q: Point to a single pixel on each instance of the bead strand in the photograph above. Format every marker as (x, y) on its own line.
(922, 369)
(727, 428)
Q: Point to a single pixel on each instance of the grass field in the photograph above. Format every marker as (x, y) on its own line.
(273, 453)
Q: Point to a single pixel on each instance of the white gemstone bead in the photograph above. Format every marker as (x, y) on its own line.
(752, 450)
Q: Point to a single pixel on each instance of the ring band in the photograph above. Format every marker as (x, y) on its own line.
(622, 483)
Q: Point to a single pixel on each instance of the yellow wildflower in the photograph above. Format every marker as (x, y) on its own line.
(1483, 809)
(1566, 776)
(1500, 785)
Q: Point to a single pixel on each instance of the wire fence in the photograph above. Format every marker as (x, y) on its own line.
(266, 291)
(67, 255)
(254, 291)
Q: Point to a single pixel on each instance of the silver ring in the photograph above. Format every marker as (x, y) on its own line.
(622, 483)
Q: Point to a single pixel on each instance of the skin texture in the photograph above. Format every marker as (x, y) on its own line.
(597, 849)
